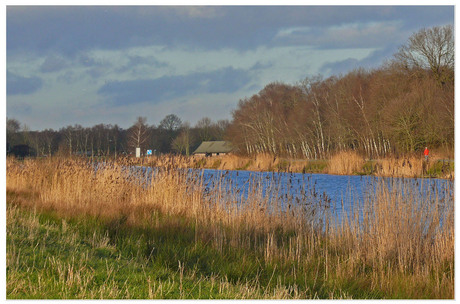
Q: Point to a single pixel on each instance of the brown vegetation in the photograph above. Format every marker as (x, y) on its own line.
(398, 108)
(396, 244)
(375, 113)
(343, 163)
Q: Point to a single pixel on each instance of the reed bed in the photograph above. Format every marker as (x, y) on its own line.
(405, 166)
(393, 246)
(343, 163)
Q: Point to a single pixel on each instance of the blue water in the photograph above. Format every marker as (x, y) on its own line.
(339, 193)
(336, 193)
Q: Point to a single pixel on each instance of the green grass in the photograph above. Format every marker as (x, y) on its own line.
(52, 256)
(315, 166)
(439, 168)
(49, 257)
(283, 165)
(368, 168)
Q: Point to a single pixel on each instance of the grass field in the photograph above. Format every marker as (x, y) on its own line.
(76, 233)
(53, 258)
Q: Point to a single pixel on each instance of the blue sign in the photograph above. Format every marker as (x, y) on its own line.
(149, 152)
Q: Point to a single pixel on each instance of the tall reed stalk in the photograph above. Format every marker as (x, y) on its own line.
(397, 243)
(342, 163)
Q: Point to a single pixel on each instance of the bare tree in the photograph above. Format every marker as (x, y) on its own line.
(204, 126)
(115, 138)
(12, 128)
(171, 123)
(221, 128)
(182, 142)
(430, 49)
(317, 94)
(138, 133)
(48, 137)
(69, 137)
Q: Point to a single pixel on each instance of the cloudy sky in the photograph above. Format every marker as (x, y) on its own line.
(110, 64)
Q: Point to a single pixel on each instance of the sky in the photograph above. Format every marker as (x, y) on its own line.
(87, 65)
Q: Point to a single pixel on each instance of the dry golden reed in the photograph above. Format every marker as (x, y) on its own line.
(345, 163)
(342, 163)
(397, 239)
(410, 166)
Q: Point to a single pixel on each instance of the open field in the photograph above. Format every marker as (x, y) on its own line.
(73, 232)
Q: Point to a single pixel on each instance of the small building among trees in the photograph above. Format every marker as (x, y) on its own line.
(209, 148)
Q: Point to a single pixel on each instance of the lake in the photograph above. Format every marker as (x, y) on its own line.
(337, 193)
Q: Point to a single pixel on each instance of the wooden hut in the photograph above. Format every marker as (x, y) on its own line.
(209, 148)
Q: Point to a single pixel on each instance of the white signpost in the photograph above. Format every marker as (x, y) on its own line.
(138, 152)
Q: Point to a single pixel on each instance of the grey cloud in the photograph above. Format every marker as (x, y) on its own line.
(339, 67)
(226, 80)
(374, 60)
(261, 66)
(381, 55)
(255, 88)
(136, 61)
(97, 71)
(19, 108)
(351, 35)
(86, 60)
(96, 67)
(150, 60)
(17, 85)
(68, 77)
(53, 64)
(208, 12)
(238, 27)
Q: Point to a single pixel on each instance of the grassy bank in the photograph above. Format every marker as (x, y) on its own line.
(76, 233)
(344, 163)
(49, 257)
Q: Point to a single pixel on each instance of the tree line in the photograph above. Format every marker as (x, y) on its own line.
(170, 136)
(399, 107)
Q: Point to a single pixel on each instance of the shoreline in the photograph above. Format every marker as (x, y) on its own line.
(341, 164)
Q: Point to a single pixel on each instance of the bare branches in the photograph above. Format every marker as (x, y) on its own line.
(374, 112)
(430, 49)
(138, 133)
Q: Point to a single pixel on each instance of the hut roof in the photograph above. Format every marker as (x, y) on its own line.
(214, 147)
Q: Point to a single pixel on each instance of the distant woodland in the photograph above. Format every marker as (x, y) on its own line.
(398, 108)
